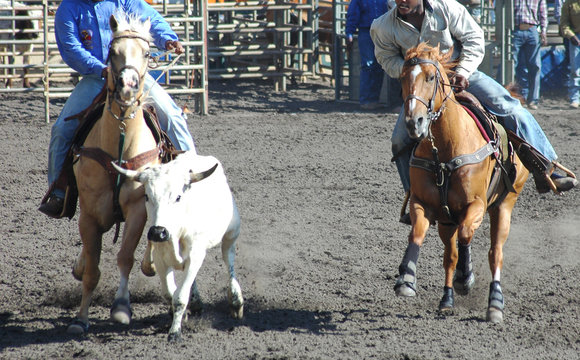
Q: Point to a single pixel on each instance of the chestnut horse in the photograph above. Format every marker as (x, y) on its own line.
(451, 171)
(121, 126)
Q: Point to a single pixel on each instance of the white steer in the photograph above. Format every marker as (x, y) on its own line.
(190, 209)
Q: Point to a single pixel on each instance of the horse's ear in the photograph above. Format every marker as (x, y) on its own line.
(113, 23)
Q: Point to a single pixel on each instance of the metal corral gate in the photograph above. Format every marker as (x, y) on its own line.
(45, 66)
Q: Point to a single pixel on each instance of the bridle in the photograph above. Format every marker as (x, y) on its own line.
(116, 72)
(432, 115)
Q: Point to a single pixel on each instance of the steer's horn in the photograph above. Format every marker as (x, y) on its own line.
(130, 174)
(195, 177)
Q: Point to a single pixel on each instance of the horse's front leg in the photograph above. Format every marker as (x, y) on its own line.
(448, 235)
(135, 222)
(91, 237)
(500, 222)
(406, 284)
(464, 279)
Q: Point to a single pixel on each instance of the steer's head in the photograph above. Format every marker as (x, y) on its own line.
(165, 188)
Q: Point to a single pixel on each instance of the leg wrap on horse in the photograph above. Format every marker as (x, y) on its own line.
(495, 296)
(447, 301)
(408, 268)
(463, 280)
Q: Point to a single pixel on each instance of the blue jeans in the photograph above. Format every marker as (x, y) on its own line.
(497, 100)
(574, 82)
(528, 62)
(170, 116)
(371, 73)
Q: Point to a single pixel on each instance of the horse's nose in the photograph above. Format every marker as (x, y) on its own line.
(158, 234)
(129, 79)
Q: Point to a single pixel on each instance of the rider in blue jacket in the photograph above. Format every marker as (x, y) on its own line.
(83, 35)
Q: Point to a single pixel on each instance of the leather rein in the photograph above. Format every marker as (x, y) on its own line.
(443, 170)
(102, 157)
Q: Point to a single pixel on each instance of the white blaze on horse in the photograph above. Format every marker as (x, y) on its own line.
(190, 209)
(121, 125)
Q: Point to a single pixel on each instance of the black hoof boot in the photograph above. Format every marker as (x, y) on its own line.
(447, 302)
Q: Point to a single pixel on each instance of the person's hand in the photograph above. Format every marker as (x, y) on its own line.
(544, 39)
(575, 41)
(459, 82)
(349, 41)
(175, 46)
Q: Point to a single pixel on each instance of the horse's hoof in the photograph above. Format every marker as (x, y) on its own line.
(405, 289)
(463, 284)
(494, 315)
(148, 268)
(121, 311)
(237, 312)
(77, 327)
(174, 337)
(447, 301)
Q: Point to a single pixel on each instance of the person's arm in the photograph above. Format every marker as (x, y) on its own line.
(161, 31)
(70, 47)
(387, 51)
(566, 25)
(352, 19)
(543, 15)
(464, 28)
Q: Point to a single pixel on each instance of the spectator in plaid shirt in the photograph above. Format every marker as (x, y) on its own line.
(531, 25)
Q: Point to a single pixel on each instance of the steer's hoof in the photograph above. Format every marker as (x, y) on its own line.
(494, 315)
(78, 327)
(174, 337)
(237, 312)
(121, 311)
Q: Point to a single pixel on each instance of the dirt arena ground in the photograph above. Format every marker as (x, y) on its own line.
(318, 254)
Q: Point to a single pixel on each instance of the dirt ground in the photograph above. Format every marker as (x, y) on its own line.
(319, 250)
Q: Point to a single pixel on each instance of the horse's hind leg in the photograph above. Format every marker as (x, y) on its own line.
(91, 237)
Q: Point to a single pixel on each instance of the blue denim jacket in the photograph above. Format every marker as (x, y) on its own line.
(361, 14)
(83, 33)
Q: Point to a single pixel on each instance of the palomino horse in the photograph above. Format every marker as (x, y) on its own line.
(121, 126)
(451, 172)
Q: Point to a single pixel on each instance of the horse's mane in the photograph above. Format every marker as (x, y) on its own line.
(425, 51)
(131, 22)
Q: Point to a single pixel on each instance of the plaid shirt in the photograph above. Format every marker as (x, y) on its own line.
(533, 12)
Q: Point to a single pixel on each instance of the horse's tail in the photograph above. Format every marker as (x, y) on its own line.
(515, 91)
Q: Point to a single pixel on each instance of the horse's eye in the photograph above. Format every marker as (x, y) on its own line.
(431, 78)
(178, 198)
(147, 54)
(146, 197)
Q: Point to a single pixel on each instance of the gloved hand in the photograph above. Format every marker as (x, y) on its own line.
(174, 45)
(459, 82)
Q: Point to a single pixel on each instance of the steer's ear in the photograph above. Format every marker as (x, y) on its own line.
(130, 174)
(195, 177)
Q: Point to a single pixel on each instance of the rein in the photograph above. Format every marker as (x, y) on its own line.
(442, 170)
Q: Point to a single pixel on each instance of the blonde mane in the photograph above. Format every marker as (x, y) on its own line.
(131, 22)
